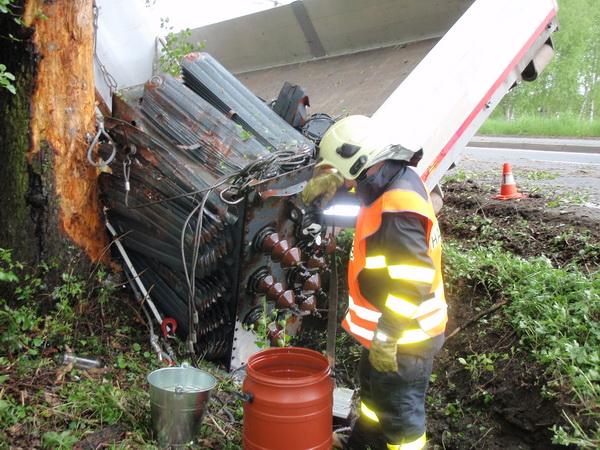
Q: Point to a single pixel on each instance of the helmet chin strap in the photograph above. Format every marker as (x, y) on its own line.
(363, 175)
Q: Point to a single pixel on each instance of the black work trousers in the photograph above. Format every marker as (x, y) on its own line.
(397, 399)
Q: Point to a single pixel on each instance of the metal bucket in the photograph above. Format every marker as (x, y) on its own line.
(178, 398)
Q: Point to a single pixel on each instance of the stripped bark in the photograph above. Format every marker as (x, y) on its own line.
(48, 193)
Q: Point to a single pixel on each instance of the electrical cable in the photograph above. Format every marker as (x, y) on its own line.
(257, 167)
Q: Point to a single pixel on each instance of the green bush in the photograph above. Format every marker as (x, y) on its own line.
(555, 313)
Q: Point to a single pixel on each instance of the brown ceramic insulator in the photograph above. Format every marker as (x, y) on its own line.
(315, 262)
(292, 257)
(269, 242)
(286, 299)
(309, 304)
(279, 250)
(274, 335)
(274, 292)
(265, 283)
(312, 283)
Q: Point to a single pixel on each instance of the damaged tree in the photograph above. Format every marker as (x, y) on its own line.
(48, 192)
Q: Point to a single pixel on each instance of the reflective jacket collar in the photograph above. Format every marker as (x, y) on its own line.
(372, 187)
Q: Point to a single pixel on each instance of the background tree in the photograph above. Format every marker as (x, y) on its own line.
(570, 85)
(49, 206)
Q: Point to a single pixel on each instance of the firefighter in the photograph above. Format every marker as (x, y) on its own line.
(396, 305)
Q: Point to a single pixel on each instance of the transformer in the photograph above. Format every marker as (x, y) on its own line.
(203, 196)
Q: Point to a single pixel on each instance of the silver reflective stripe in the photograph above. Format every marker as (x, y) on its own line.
(417, 444)
(381, 336)
(362, 312)
(406, 308)
(358, 330)
(412, 336)
(401, 306)
(429, 306)
(368, 412)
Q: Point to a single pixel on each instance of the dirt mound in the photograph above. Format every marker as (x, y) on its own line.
(487, 393)
(526, 227)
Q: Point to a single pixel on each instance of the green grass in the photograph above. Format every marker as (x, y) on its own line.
(45, 404)
(567, 126)
(540, 175)
(555, 312)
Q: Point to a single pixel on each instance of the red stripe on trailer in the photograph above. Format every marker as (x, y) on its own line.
(488, 95)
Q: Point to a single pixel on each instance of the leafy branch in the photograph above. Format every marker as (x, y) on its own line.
(5, 7)
(175, 47)
(270, 327)
(6, 78)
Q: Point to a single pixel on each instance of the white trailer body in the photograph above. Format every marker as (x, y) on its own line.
(448, 96)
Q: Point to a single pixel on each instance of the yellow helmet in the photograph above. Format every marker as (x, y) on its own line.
(356, 143)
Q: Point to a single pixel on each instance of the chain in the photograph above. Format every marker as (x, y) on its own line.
(127, 171)
(101, 133)
(110, 81)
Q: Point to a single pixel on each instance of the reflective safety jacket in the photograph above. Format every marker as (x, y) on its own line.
(413, 286)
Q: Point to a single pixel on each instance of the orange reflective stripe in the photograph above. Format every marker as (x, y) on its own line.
(358, 330)
(396, 200)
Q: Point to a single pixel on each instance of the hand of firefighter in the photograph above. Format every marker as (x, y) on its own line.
(382, 354)
(323, 185)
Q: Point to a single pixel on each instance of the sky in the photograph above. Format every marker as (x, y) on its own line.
(196, 13)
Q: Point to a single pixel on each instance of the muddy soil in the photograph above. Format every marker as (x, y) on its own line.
(527, 227)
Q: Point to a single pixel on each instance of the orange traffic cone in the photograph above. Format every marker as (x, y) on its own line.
(508, 190)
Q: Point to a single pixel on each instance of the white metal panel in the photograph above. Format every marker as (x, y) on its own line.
(274, 38)
(346, 26)
(125, 44)
(251, 41)
(443, 101)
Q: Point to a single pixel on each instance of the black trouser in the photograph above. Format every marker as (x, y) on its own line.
(397, 398)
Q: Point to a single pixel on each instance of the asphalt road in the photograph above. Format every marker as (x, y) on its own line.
(522, 156)
(577, 145)
(573, 178)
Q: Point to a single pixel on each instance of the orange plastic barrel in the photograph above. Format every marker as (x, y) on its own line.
(290, 400)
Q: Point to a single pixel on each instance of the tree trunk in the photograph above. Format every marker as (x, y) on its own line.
(49, 207)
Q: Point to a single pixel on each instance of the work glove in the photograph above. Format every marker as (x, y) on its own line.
(382, 354)
(323, 185)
